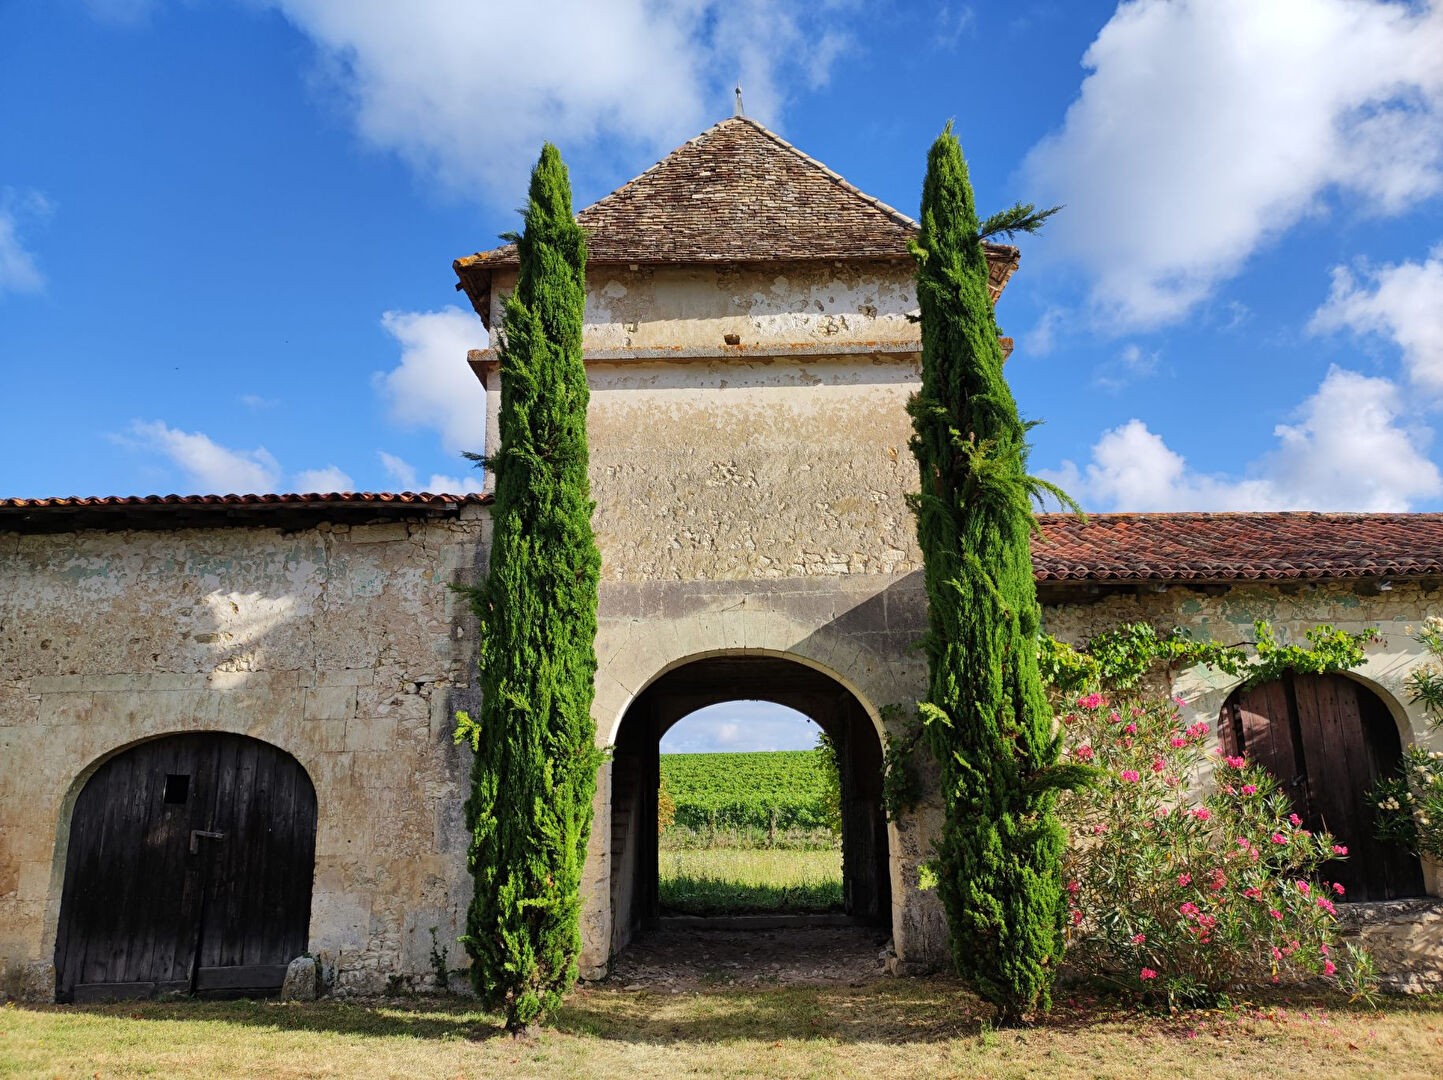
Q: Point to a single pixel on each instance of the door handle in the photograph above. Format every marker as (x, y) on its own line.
(197, 835)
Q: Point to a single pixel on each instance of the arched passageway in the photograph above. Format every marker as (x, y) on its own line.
(188, 869)
(1327, 739)
(866, 881)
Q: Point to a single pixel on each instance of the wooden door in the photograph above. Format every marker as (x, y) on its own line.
(1327, 740)
(189, 869)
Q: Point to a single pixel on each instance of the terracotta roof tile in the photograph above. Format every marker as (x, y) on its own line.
(735, 193)
(1237, 547)
(404, 498)
(190, 511)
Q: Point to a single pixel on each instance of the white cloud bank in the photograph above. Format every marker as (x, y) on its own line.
(209, 467)
(1205, 127)
(19, 272)
(466, 91)
(433, 386)
(212, 469)
(404, 477)
(1348, 449)
(1401, 303)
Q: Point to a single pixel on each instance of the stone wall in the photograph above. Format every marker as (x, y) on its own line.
(341, 645)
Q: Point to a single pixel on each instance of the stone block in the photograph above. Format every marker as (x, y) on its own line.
(303, 980)
(370, 733)
(330, 702)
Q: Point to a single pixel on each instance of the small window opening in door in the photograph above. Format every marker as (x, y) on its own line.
(177, 788)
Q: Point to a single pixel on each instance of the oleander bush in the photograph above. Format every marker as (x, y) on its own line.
(1177, 895)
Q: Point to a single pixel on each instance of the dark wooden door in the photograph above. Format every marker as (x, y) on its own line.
(189, 869)
(1327, 740)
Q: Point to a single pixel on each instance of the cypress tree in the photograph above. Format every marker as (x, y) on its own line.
(534, 773)
(987, 718)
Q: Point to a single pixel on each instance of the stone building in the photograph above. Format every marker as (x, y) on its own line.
(180, 677)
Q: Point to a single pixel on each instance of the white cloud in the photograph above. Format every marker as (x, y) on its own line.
(1402, 302)
(1131, 364)
(210, 468)
(1349, 449)
(440, 484)
(122, 12)
(1205, 127)
(466, 92)
(433, 386)
(401, 473)
(19, 272)
(324, 480)
(1042, 338)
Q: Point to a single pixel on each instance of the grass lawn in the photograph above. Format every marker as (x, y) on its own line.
(732, 881)
(898, 1028)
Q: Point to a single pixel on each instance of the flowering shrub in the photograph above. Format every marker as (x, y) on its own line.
(1410, 802)
(1179, 897)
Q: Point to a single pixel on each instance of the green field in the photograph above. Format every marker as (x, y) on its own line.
(779, 789)
(752, 833)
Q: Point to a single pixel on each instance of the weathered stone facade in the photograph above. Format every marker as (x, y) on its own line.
(341, 645)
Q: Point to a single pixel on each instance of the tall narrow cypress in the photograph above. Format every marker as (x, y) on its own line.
(987, 719)
(534, 772)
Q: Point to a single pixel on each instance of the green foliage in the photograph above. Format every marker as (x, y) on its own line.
(986, 716)
(831, 770)
(901, 786)
(1118, 662)
(665, 806)
(1175, 898)
(534, 773)
(776, 789)
(1410, 802)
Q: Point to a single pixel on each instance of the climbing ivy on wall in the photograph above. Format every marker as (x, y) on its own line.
(534, 774)
(986, 717)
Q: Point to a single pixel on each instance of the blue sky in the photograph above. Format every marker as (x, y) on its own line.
(226, 227)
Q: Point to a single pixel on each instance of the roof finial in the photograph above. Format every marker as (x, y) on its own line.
(739, 111)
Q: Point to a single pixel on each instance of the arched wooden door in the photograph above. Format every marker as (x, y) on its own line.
(1327, 740)
(189, 869)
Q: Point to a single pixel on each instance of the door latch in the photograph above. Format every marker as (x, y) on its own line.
(197, 835)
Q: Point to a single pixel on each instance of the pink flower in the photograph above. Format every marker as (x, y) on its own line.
(1202, 813)
(1139, 939)
(1158, 764)
(1178, 742)
(1074, 887)
(1130, 729)
(1277, 953)
(1217, 879)
(1189, 909)
(1338, 887)
(1327, 905)
(1091, 701)
(1098, 830)
(1130, 776)
(1303, 887)
(1076, 917)
(1339, 849)
(1197, 730)
(1234, 762)
(1084, 752)
(1295, 820)
(1146, 973)
(1250, 789)
(1279, 838)
(1253, 894)
(1275, 913)
(1329, 967)
(1184, 879)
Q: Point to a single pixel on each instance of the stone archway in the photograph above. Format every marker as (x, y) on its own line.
(635, 770)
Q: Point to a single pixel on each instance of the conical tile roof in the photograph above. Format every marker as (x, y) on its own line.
(737, 193)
